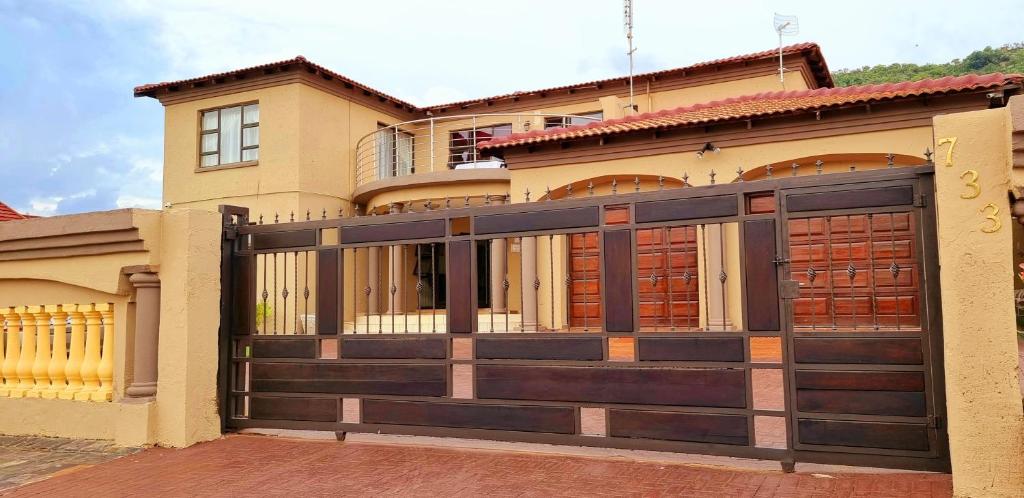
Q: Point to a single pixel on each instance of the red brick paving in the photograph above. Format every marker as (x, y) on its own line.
(260, 465)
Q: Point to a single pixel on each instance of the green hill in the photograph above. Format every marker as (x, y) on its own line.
(1006, 59)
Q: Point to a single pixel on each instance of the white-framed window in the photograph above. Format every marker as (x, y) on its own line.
(578, 119)
(229, 135)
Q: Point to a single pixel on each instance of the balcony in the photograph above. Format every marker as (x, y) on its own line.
(441, 147)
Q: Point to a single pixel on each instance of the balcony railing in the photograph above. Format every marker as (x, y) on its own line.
(443, 143)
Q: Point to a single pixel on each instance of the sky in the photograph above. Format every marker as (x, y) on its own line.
(74, 139)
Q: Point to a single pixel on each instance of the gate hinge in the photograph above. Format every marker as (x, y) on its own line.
(230, 232)
(934, 422)
(920, 200)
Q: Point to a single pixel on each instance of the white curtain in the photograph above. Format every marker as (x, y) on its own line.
(230, 135)
(403, 153)
(385, 152)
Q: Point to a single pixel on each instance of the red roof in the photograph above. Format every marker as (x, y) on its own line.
(810, 50)
(8, 214)
(760, 105)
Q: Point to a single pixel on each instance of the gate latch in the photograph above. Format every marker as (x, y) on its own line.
(779, 260)
(789, 289)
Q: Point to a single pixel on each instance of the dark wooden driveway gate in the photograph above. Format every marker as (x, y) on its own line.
(837, 318)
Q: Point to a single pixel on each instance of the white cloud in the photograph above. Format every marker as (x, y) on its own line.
(50, 205)
(132, 201)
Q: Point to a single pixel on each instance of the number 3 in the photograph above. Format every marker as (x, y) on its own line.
(972, 183)
(996, 224)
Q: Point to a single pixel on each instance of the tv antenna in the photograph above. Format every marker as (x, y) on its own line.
(627, 22)
(784, 25)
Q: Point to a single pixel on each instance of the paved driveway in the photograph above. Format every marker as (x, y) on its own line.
(263, 465)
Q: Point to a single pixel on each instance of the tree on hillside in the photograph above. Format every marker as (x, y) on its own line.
(1006, 59)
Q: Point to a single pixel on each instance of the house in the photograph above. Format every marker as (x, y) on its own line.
(8, 214)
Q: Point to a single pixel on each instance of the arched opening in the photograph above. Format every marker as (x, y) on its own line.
(833, 163)
(611, 184)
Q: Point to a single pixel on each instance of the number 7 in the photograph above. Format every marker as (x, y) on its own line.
(949, 152)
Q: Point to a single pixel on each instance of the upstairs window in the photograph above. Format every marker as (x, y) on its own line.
(462, 146)
(566, 121)
(230, 135)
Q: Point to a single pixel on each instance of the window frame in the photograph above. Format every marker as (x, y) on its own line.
(241, 138)
(562, 119)
(474, 140)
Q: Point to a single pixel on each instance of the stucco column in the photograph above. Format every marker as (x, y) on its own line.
(498, 304)
(975, 239)
(528, 255)
(396, 280)
(717, 293)
(147, 334)
(373, 279)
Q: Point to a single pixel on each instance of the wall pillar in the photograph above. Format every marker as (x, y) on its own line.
(528, 255)
(498, 277)
(717, 293)
(147, 335)
(986, 422)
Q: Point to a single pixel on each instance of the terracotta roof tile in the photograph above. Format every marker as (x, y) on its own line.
(759, 105)
(8, 214)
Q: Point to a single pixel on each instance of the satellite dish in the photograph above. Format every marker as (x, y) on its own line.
(784, 25)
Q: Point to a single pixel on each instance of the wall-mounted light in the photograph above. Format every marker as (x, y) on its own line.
(708, 147)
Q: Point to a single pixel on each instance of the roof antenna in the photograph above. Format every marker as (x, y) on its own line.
(784, 25)
(627, 21)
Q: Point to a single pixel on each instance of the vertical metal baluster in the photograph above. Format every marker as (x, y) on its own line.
(368, 290)
(687, 276)
(487, 288)
(405, 293)
(284, 295)
(831, 275)
(871, 272)
(381, 286)
(851, 271)
(811, 274)
(264, 294)
(275, 289)
(894, 268)
(419, 286)
(722, 275)
(668, 283)
(295, 289)
(704, 258)
(433, 288)
(585, 278)
(392, 288)
(551, 265)
(504, 281)
(305, 297)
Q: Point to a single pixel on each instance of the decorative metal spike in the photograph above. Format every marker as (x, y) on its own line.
(547, 193)
(739, 174)
(636, 183)
(323, 216)
(615, 186)
(851, 271)
(508, 197)
(536, 283)
(661, 182)
(712, 175)
(261, 219)
(795, 167)
(487, 199)
(568, 191)
(590, 189)
(686, 179)
(466, 201)
(853, 167)
(447, 203)
(928, 155)
(341, 212)
(895, 270)
(408, 206)
(427, 205)
(819, 166)
(687, 277)
(768, 170)
(307, 215)
(811, 274)
(291, 217)
(527, 194)
(890, 160)
(275, 217)
(722, 276)
(653, 278)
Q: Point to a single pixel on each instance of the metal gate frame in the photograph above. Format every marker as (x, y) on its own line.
(867, 191)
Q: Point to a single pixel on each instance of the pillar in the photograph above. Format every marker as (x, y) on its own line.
(76, 355)
(28, 351)
(373, 280)
(91, 360)
(530, 283)
(717, 293)
(59, 361)
(396, 280)
(105, 369)
(147, 333)
(498, 277)
(41, 365)
(9, 368)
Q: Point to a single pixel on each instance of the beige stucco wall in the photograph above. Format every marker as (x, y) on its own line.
(986, 420)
